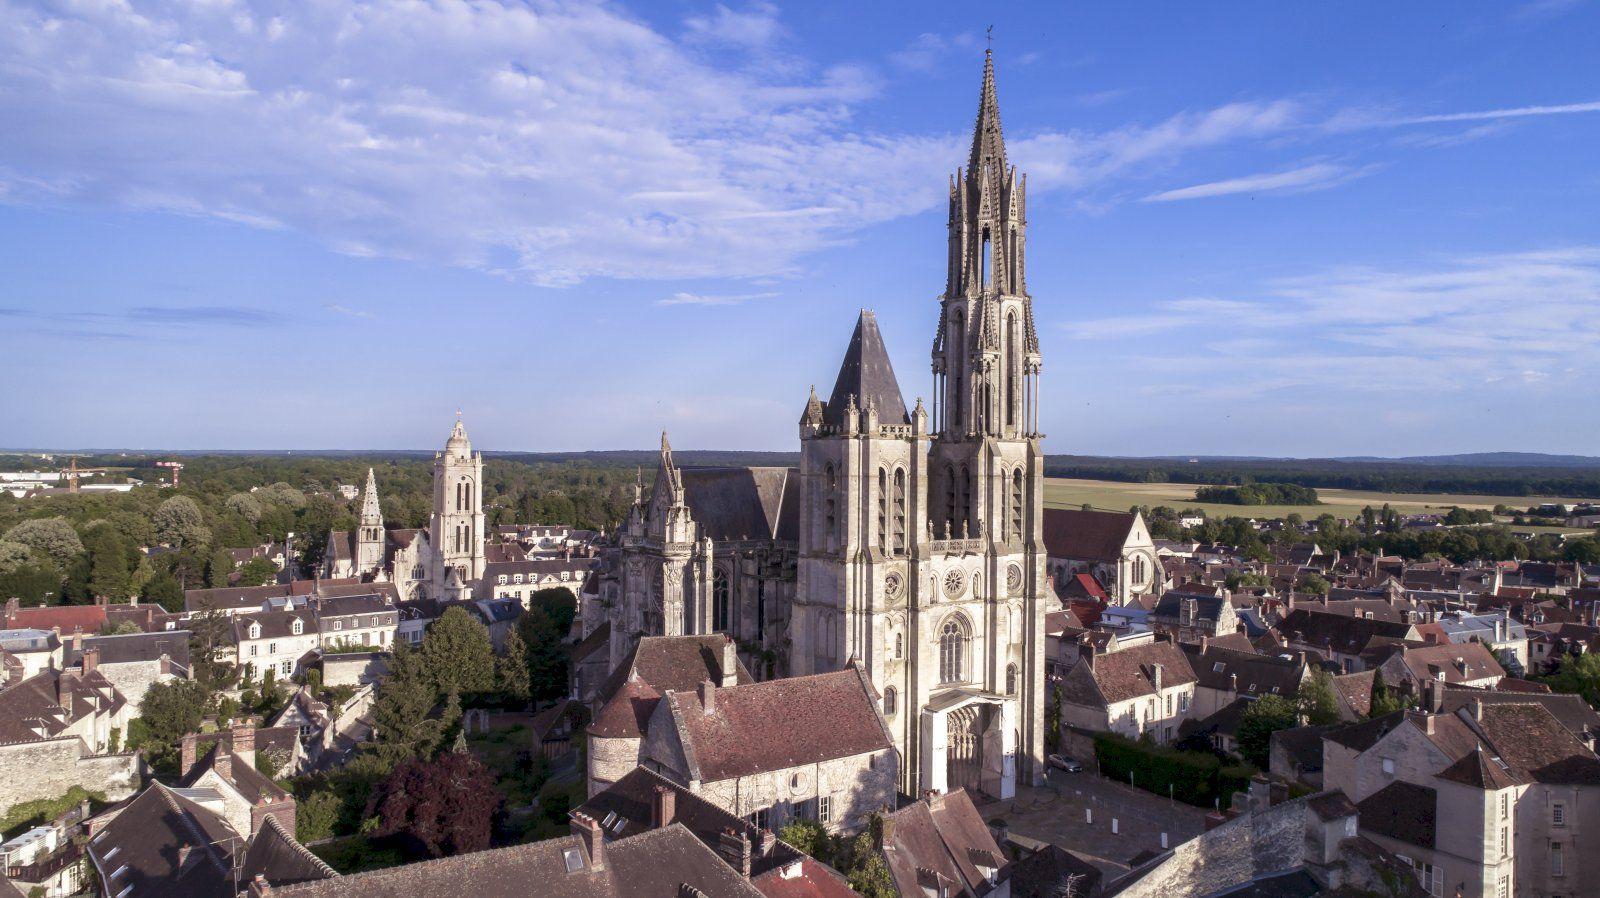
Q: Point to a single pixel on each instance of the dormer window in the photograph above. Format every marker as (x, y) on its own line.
(255, 630)
(297, 627)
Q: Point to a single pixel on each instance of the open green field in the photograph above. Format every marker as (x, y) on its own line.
(1063, 492)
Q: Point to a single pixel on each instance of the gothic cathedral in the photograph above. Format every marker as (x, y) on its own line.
(909, 542)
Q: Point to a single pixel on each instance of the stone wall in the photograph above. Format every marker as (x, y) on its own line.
(50, 767)
(858, 786)
(354, 670)
(1255, 844)
(610, 760)
(134, 678)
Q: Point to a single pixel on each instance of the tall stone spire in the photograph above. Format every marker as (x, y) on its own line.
(370, 509)
(866, 376)
(988, 144)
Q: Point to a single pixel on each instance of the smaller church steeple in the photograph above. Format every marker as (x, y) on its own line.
(370, 509)
(370, 535)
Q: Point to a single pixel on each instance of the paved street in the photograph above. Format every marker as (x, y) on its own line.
(1055, 813)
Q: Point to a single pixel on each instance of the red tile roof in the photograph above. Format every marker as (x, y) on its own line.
(1086, 535)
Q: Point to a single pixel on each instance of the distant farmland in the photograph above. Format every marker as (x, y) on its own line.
(1063, 492)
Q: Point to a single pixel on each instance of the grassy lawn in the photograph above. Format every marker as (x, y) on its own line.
(1064, 492)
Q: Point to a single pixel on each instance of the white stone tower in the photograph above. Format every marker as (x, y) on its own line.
(369, 536)
(456, 529)
(863, 470)
(986, 474)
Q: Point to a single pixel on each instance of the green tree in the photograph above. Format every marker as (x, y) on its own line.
(1384, 701)
(401, 727)
(245, 506)
(180, 524)
(15, 556)
(168, 712)
(1318, 704)
(257, 572)
(1578, 675)
(163, 589)
(219, 567)
(1314, 584)
(809, 836)
(457, 653)
(1261, 719)
(511, 669)
(51, 538)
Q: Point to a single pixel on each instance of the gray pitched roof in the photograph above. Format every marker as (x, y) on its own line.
(744, 503)
(867, 375)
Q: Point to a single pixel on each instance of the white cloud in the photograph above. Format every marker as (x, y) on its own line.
(338, 309)
(1318, 176)
(756, 26)
(701, 299)
(1442, 326)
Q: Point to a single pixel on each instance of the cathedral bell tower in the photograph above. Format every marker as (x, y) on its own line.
(456, 530)
(370, 536)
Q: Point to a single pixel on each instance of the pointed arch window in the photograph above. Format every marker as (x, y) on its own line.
(952, 650)
(958, 349)
(1011, 679)
(987, 261)
(950, 496)
(1013, 369)
(720, 601)
(964, 505)
(899, 511)
(891, 701)
(297, 626)
(830, 517)
(883, 511)
(1016, 504)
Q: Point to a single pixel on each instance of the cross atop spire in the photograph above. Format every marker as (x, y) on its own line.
(988, 144)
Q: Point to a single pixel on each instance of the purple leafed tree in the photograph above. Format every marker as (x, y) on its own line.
(447, 804)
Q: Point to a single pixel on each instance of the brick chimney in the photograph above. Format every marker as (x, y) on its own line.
(91, 660)
(222, 760)
(1155, 677)
(187, 758)
(588, 830)
(244, 741)
(1433, 694)
(734, 846)
(730, 663)
(663, 807)
(708, 696)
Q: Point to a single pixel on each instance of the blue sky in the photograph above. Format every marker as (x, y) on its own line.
(1255, 228)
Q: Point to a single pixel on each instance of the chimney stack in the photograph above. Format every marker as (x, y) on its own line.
(735, 849)
(730, 663)
(222, 760)
(1434, 695)
(91, 660)
(244, 741)
(587, 829)
(187, 758)
(708, 696)
(663, 807)
(769, 841)
(1155, 677)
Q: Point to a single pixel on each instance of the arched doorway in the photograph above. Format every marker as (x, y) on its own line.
(964, 749)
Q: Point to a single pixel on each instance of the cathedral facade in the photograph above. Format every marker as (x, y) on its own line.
(907, 543)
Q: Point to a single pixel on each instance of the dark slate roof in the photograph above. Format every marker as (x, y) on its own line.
(1087, 535)
(1480, 771)
(276, 855)
(1402, 811)
(1258, 674)
(1341, 633)
(347, 605)
(233, 597)
(629, 805)
(1040, 874)
(163, 844)
(779, 724)
(1362, 736)
(1294, 884)
(1303, 746)
(744, 503)
(1170, 606)
(655, 864)
(135, 647)
(867, 375)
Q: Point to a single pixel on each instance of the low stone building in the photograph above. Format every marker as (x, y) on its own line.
(625, 703)
(1144, 689)
(814, 747)
(134, 662)
(1468, 664)
(1190, 616)
(228, 771)
(64, 728)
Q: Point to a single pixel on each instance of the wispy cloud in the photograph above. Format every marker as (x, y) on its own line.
(1545, 9)
(701, 299)
(1494, 114)
(1443, 326)
(338, 309)
(129, 323)
(1318, 176)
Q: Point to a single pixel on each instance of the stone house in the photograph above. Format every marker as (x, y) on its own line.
(941, 845)
(1469, 664)
(1112, 546)
(1144, 689)
(1493, 799)
(228, 770)
(348, 621)
(1342, 639)
(136, 661)
(1223, 675)
(33, 651)
(813, 747)
(1189, 616)
(623, 705)
(64, 728)
(521, 579)
(282, 641)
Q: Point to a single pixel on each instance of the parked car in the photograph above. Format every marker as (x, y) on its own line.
(1062, 762)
